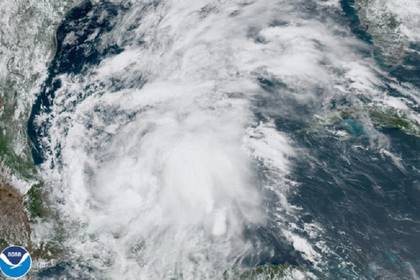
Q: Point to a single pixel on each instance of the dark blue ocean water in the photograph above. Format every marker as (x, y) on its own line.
(368, 205)
(82, 21)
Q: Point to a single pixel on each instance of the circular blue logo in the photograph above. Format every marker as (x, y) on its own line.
(15, 262)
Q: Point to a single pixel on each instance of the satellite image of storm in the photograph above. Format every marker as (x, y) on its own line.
(210, 139)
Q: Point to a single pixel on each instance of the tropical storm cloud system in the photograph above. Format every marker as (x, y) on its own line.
(210, 139)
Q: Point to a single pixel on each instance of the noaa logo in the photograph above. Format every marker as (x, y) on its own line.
(15, 262)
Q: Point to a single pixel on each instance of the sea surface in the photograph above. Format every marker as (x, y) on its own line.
(202, 139)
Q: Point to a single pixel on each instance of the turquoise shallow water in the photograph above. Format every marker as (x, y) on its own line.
(367, 205)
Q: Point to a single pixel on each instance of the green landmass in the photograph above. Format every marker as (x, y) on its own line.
(351, 120)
